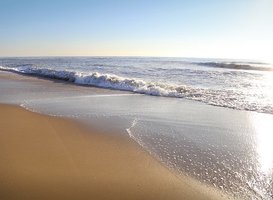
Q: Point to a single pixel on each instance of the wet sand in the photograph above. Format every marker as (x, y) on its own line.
(45, 157)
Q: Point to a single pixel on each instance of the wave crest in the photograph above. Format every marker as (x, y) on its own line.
(108, 81)
(239, 66)
(223, 98)
(131, 84)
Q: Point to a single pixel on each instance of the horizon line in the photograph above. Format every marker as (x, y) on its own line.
(131, 56)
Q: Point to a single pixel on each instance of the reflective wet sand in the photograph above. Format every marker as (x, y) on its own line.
(228, 149)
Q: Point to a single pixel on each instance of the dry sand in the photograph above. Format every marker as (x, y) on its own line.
(43, 157)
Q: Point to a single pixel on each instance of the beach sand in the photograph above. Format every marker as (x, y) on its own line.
(44, 157)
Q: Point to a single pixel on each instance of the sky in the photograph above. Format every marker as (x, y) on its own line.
(173, 28)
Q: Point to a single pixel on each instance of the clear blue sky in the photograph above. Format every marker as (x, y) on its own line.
(195, 28)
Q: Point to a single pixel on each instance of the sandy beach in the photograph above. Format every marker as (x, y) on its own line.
(45, 157)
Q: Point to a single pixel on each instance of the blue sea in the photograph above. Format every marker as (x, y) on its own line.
(238, 84)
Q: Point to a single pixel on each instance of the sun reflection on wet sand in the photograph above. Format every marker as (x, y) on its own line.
(263, 125)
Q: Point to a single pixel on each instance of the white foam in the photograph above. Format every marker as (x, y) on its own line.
(224, 98)
(110, 81)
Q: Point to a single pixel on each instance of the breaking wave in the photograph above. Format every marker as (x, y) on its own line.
(223, 98)
(109, 81)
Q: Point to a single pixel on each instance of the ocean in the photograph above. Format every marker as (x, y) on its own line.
(243, 85)
(210, 119)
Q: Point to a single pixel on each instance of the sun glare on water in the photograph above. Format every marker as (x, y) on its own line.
(263, 125)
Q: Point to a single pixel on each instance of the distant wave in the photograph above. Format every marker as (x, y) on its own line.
(223, 98)
(242, 66)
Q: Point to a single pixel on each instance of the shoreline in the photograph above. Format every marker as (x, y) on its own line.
(45, 157)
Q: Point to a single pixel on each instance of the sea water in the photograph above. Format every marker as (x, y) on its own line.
(244, 85)
(165, 104)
